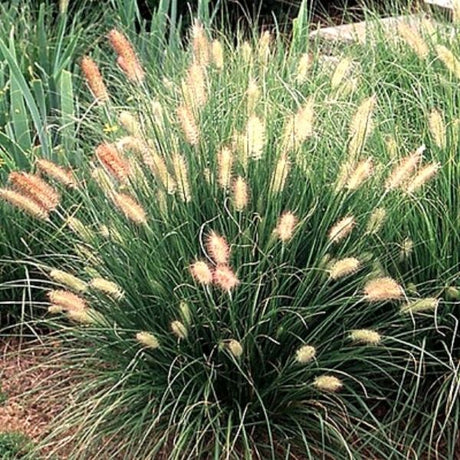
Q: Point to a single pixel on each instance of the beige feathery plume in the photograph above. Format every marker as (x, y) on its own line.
(69, 280)
(225, 278)
(365, 336)
(280, 174)
(67, 300)
(255, 137)
(327, 383)
(101, 177)
(179, 330)
(447, 57)
(437, 128)
(181, 174)
(360, 174)
(200, 44)
(241, 148)
(263, 47)
(36, 188)
(94, 79)
(225, 164)
(107, 287)
(253, 95)
(55, 309)
(246, 51)
(130, 123)
(148, 340)
(194, 86)
(112, 161)
(201, 272)
(341, 229)
(157, 165)
(361, 126)
(88, 316)
(376, 221)
(235, 348)
(217, 53)
(344, 267)
(127, 58)
(285, 227)
(130, 208)
(341, 71)
(188, 125)
(299, 127)
(344, 173)
(304, 65)
(305, 354)
(381, 289)
(133, 144)
(423, 176)
(157, 114)
(413, 38)
(240, 194)
(79, 228)
(456, 11)
(57, 173)
(218, 248)
(420, 305)
(404, 169)
(24, 203)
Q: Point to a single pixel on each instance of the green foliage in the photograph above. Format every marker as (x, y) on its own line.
(14, 446)
(297, 334)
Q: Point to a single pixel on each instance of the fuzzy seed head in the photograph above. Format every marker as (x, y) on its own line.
(305, 354)
(100, 176)
(224, 278)
(57, 173)
(225, 163)
(88, 316)
(437, 128)
(127, 58)
(200, 44)
(360, 174)
(382, 289)
(107, 287)
(420, 305)
(280, 174)
(181, 174)
(201, 272)
(448, 58)
(130, 208)
(179, 330)
(341, 229)
(94, 79)
(361, 126)
(240, 194)
(68, 280)
(194, 87)
(157, 165)
(188, 125)
(304, 65)
(376, 221)
(423, 176)
(286, 226)
(24, 203)
(67, 300)
(130, 123)
(112, 161)
(217, 53)
(218, 248)
(404, 169)
(365, 336)
(253, 95)
(341, 71)
(235, 348)
(328, 383)
(246, 51)
(35, 188)
(55, 309)
(148, 340)
(255, 137)
(414, 40)
(344, 267)
(79, 228)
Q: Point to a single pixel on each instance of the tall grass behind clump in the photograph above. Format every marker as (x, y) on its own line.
(231, 291)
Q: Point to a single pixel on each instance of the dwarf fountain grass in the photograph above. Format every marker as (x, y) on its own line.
(254, 309)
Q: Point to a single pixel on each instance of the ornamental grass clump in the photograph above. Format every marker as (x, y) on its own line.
(231, 291)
